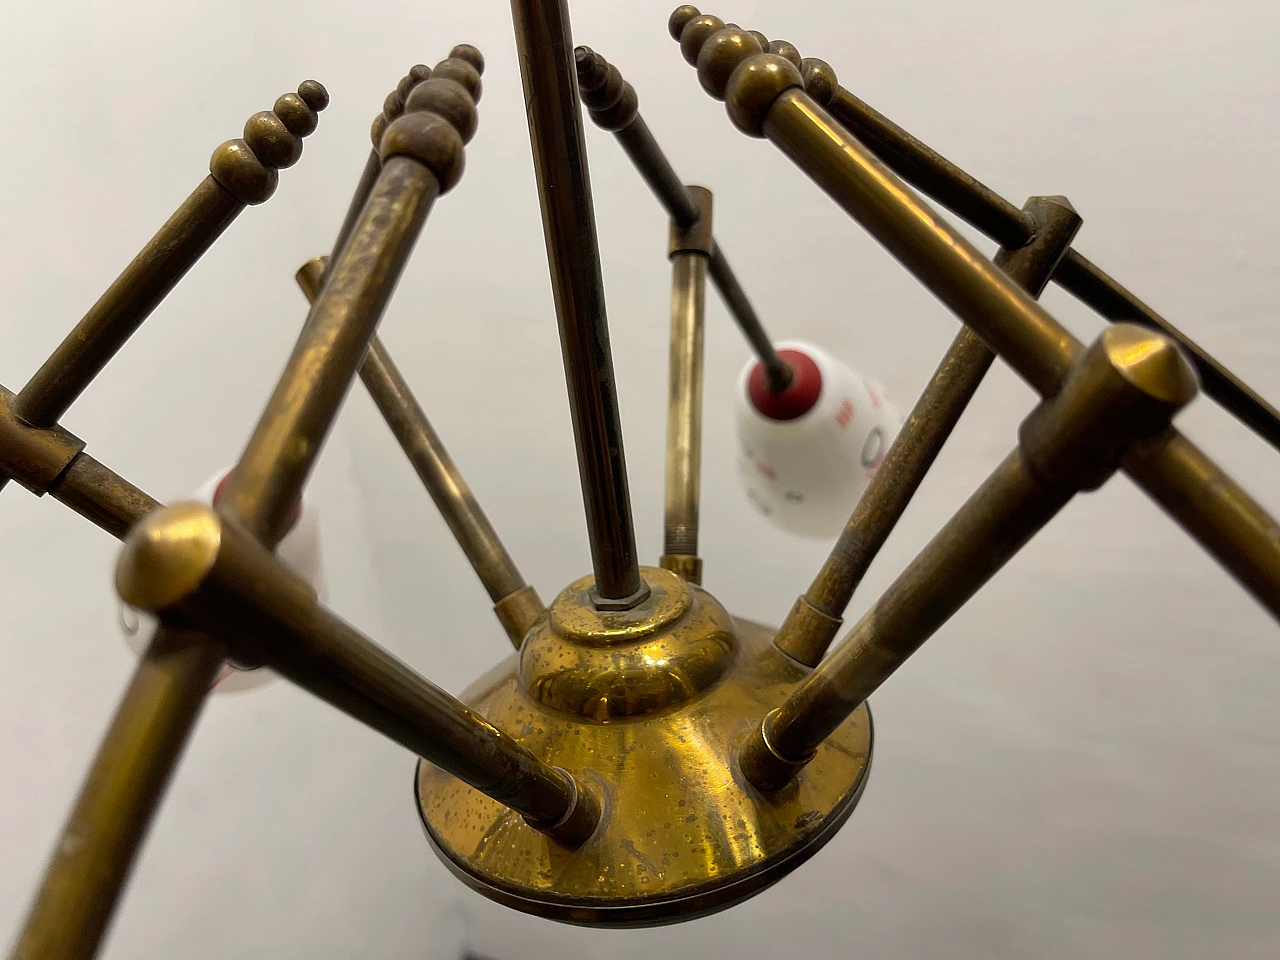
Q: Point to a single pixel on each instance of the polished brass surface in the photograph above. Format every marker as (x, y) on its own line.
(119, 797)
(597, 79)
(682, 835)
(520, 605)
(816, 618)
(188, 561)
(1124, 389)
(690, 248)
(568, 219)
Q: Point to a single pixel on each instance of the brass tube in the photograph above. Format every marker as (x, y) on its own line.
(1101, 293)
(816, 617)
(615, 107)
(274, 466)
(113, 812)
(146, 281)
(564, 189)
(1214, 509)
(690, 247)
(364, 187)
(937, 177)
(981, 294)
(186, 560)
(99, 494)
(516, 603)
(1124, 389)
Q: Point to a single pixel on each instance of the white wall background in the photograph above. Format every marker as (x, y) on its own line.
(1084, 762)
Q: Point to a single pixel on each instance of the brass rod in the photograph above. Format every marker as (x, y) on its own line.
(564, 189)
(187, 560)
(119, 797)
(283, 448)
(981, 294)
(937, 177)
(1123, 389)
(690, 249)
(364, 187)
(1213, 508)
(1101, 293)
(816, 617)
(99, 494)
(614, 107)
(515, 602)
(192, 229)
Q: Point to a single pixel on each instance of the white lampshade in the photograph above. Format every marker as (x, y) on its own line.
(806, 455)
(300, 551)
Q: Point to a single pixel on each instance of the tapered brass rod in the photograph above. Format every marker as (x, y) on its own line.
(187, 560)
(1092, 286)
(274, 466)
(545, 51)
(1124, 389)
(614, 106)
(192, 229)
(816, 617)
(119, 797)
(99, 494)
(515, 602)
(690, 249)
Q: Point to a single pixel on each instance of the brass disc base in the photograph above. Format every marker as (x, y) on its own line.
(682, 834)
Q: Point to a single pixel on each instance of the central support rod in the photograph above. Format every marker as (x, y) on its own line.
(568, 220)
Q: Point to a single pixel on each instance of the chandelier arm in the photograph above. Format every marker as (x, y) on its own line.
(267, 481)
(568, 219)
(690, 250)
(193, 563)
(1124, 389)
(816, 617)
(99, 494)
(612, 103)
(119, 797)
(242, 172)
(939, 178)
(1089, 284)
(516, 604)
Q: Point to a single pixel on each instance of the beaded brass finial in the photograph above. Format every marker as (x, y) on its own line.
(247, 168)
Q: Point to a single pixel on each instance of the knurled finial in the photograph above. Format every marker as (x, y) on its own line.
(754, 85)
(246, 168)
(680, 16)
(696, 33)
(820, 80)
(720, 55)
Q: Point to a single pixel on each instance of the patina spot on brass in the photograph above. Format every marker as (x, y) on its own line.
(608, 665)
(682, 833)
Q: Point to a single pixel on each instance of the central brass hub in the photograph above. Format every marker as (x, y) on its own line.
(607, 665)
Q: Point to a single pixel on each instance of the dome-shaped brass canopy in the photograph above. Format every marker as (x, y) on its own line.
(682, 834)
(610, 665)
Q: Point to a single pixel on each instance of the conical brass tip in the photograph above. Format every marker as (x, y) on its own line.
(167, 556)
(1151, 362)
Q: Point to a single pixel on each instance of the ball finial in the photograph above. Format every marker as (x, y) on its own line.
(820, 80)
(784, 49)
(695, 33)
(300, 118)
(237, 168)
(271, 141)
(465, 51)
(680, 16)
(754, 85)
(448, 99)
(313, 94)
(455, 68)
(720, 56)
(760, 38)
(429, 139)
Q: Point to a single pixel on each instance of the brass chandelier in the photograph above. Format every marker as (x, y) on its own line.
(644, 757)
